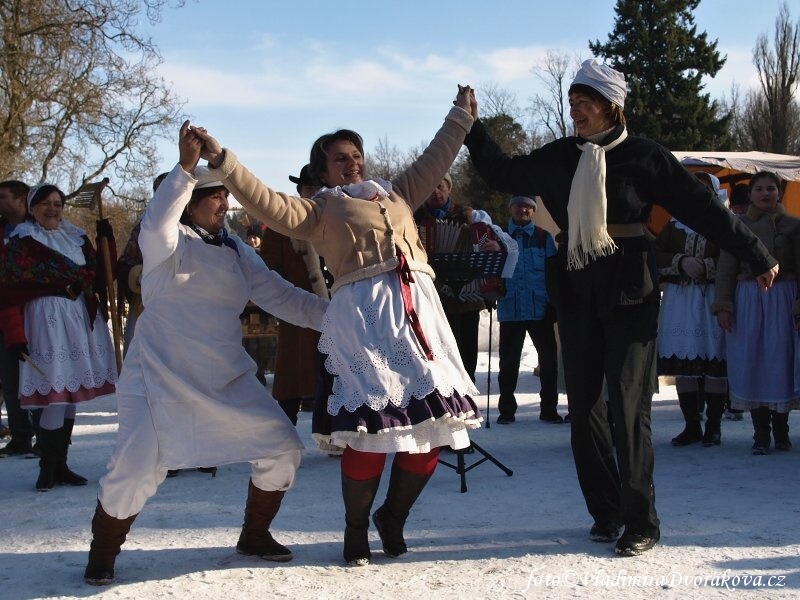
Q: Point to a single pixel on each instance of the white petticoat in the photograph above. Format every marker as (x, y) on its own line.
(373, 352)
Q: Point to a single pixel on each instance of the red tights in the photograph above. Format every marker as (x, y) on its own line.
(361, 466)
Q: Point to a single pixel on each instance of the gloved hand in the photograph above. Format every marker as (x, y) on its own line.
(18, 350)
(104, 228)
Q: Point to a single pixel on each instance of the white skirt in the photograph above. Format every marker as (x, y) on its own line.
(687, 329)
(77, 363)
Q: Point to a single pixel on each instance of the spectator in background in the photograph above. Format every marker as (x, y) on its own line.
(129, 278)
(297, 362)
(463, 315)
(761, 339)
(13, 211)
(525, 309)
(690, 344)
(253, 237)
(55, 307)
(740, 199)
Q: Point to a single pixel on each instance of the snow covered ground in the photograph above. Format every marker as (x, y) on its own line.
(730, 520)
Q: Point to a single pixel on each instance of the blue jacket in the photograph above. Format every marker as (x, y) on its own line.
(526, 294)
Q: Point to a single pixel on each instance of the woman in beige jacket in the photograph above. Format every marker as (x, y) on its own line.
(395, 380)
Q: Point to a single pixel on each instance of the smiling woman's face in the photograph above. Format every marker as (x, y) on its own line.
(344, 164)
(209, 212)
(589, 114)
(48, 211)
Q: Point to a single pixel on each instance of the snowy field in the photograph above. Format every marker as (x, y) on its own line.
(730, 520)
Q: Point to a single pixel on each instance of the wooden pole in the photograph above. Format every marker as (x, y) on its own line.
(112, 298)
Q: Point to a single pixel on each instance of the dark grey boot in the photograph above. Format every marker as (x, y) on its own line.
(63, 474)
(389, 519)
(715, 406)
(358, 497)
(50, 452)
(761, 429)
(692, 431)
(780, 431)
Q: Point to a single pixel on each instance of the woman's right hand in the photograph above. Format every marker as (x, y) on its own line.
(189, 146)
(725, 320)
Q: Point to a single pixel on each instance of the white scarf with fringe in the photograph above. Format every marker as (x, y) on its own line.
(586, 210)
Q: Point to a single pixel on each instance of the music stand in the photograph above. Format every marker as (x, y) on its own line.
(457, 269)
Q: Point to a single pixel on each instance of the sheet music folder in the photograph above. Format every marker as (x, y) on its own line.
(461, 267)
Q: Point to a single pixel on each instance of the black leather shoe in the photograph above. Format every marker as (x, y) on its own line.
(506, 419)
(551, 418)
(634, 544)
(605, 532)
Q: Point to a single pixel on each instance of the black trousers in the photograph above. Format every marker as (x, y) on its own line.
(465, 330)
(512, 338)
(618, 345)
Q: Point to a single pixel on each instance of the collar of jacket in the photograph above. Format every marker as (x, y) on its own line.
(754, 214)
(513, 227)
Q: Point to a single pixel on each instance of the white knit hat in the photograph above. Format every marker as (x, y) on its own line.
(608, 82)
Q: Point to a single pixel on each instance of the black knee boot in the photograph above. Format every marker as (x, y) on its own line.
(761, 430)
(715, 406)
(692, 431)
(390, 518)
(780, 431)
(358, 497)
(63, 474)
(50, 454)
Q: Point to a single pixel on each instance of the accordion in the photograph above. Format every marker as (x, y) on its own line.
(448, 244)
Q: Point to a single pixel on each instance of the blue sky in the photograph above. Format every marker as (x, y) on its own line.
(267, 78)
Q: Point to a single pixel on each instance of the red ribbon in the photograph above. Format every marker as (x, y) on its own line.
(405, 289)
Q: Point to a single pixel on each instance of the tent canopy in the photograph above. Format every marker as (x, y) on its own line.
(744, 163)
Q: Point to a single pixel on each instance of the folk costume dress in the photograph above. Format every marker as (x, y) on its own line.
(690, 343)
(763, 347)
(188, 394)
(395, 380)
(49, 277)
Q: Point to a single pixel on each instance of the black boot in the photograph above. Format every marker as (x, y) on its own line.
(761, 430)
(108, 535)
(389, 519)
(715, 406)
(255, 539)
(692, 432)
(50, 452)
(63, 474)
(780, 431)
(358, 497)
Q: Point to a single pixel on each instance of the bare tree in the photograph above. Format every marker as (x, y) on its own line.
(79, 99)
(385, 161)
(550, 111)
(778, 71)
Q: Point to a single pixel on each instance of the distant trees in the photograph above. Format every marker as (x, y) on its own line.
(79, 98)
(664, 58)
(768, 118)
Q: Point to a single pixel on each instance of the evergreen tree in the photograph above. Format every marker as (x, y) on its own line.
(471, 189)
(657, 46)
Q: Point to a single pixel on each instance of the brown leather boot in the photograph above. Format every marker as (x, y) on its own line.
(255, 539)
(358, 496)
(108, 535)
(389, 519)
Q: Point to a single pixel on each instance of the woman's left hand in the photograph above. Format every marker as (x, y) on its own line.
(765, 280)
(189, 146)
(211, 150)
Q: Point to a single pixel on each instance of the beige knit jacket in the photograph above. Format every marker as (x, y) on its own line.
(358, 238)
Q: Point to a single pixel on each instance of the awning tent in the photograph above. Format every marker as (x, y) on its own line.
(732, 168)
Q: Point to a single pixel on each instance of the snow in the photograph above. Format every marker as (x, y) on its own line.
(728, 518)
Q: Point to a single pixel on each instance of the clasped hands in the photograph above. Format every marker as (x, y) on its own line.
(195, 143)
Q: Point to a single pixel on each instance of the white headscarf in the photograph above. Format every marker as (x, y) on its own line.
(608, 82)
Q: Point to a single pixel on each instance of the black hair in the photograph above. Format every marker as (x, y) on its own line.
(18, 189)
